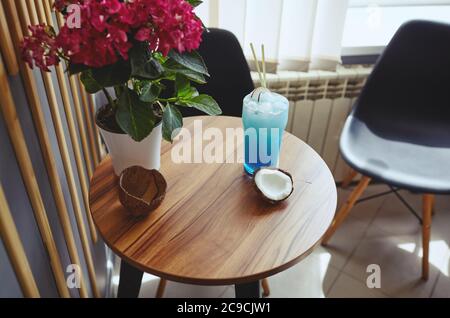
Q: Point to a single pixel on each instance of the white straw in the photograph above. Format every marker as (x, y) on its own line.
(257, 65)
(264, 65)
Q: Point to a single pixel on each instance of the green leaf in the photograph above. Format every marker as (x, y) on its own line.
(74, 69)
(191, 60)
(195, 3)
(172, 120)
(183, 88)
(193, 92)
(90, 84)
(150, 92)
(182, 85)
(159, 57)
(143, 64)
(135, 117)
(205, 104)
(112, 75)
(172, 67)
(193, 76)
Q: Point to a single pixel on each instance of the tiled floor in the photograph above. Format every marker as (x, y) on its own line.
(380, 231)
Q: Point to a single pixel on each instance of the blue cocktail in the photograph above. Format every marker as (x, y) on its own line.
(265, 115)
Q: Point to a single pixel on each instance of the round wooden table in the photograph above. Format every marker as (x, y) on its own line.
(213, 228)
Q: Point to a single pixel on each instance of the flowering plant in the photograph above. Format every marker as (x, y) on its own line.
(135, 46)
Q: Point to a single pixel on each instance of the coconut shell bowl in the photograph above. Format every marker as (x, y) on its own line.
(273, 185)
(141, 191)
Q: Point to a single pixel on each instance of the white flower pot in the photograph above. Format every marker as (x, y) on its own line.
(125, 152)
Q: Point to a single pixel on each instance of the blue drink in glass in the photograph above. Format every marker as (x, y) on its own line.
(265, 115)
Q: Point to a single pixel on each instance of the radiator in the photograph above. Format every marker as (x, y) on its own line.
(320, 101)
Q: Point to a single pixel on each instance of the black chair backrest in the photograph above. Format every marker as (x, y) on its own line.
(230, 79)
(407, 96)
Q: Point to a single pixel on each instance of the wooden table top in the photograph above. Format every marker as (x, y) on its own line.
(212, 228)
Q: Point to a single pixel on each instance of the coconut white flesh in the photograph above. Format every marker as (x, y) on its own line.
(274, 184)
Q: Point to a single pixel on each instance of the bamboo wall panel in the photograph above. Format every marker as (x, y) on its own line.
(103, 152)
(63, 89)
(14, 248)
(38, 117)
(15, 18)
(93, 132)
(6, 45)
(98, 140)
(45, 16)
(33, 17)
(56, 116)
(27, 19)
(29, 177)
(89, 152)
(23, 9)
(96, 132)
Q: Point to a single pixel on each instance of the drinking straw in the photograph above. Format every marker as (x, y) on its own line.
(264, 65)
(257, 65)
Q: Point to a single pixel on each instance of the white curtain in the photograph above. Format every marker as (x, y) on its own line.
(297, 34)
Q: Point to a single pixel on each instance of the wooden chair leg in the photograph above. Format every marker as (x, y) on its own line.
(161, 288)
(265, 287)
(349, 178)
(426, 229)
(433, 205)
(346, 207)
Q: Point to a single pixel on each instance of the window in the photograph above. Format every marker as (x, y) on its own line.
(300, 35)
(370, 24)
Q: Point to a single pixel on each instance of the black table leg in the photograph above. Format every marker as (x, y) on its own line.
(130, 281)
(248, 290)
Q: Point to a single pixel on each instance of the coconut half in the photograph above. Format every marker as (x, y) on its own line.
(141, 191)
(274, 185)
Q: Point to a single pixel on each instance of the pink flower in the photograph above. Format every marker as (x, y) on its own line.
(174, 24)
(108, 29)
(101, 40)
(119, 39)
(112, 6)
(144, 34)
(40, 48)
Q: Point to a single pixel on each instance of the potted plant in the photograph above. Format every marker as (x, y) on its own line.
(132, 52)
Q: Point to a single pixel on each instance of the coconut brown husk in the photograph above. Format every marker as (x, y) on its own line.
(141, 190)
(261, 194)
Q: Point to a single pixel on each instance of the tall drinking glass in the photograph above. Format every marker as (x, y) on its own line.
(265, 115)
